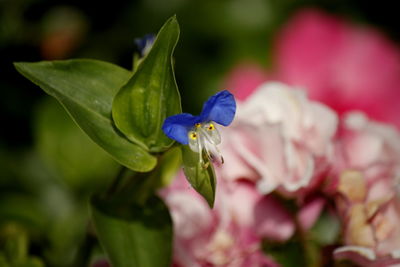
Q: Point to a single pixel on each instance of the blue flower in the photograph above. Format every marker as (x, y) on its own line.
(145, 43)
(200, 132)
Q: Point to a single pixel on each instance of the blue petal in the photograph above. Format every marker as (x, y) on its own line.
(220, 108)
(177, 127)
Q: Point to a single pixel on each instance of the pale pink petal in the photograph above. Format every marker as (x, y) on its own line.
(272, 220)
(310, 212)
(364, 257)
(321, 134)
(280, 134)
(243, 199)
(191, 216)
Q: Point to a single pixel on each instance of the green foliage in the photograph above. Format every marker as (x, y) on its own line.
(288, 254)
(53, 216)
(200, 175)
(86, 89)
(143, 185)
(169, 166)
(326, 230)
(14, 248)
(151, 94)
(22, 209)
(134, 235)
(80, 163)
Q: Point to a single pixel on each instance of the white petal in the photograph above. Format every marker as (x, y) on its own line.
(194, 144)
(213, 135)
(364, 251)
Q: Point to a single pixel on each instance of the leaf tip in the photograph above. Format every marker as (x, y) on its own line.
(18, 65)
(211, 203)
(22, 67)
(173, 21)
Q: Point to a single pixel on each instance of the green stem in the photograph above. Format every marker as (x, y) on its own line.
(117, 181)
(84, 252)
(311, 258)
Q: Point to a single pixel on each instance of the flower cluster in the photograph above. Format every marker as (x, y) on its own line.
(229, 234)
(367, 169)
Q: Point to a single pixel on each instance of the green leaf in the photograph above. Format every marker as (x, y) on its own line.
(141, 106)
(133, 235)
(288, 254)
(200, 175)
(86, 89)
(326, 230)
(170, 164)
(141, 186)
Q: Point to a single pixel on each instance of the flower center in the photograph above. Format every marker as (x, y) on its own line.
(205, 137)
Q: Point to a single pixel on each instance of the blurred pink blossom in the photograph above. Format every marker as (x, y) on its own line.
(367, 167)
(310, 212)
(279, 139)
(271, 220)
(228, 235)
(345, 66)
(244, 78)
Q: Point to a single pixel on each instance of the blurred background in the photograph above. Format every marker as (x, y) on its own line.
(48, 167)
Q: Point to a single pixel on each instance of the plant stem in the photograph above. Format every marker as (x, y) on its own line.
(117, 181)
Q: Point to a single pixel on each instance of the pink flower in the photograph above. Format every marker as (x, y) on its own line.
(279, 139)
(228, 235)
(244, 78)
(345, 66)
(310, 212)
(368, 165)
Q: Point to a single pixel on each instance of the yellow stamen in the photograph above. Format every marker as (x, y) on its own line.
(193, 135)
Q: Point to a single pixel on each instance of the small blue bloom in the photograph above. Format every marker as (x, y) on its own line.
(145, 43)
(200, 132)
